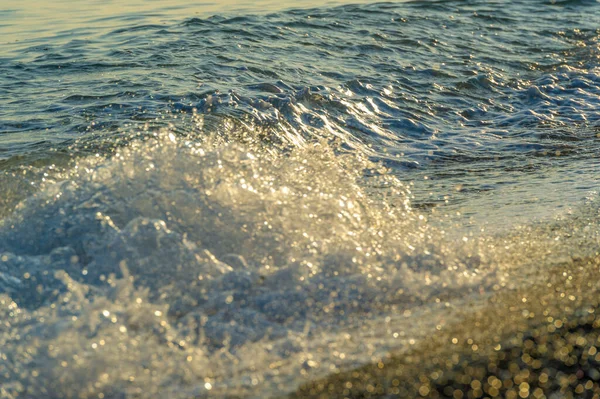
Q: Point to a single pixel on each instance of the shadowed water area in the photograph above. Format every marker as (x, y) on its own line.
(331, 200)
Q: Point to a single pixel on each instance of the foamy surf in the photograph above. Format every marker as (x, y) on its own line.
(183, 269)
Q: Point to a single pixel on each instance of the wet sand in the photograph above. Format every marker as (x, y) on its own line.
(538, 342)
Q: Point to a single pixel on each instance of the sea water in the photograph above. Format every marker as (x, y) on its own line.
(233, 199)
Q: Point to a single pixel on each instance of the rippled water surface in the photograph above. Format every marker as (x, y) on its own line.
(233, 199)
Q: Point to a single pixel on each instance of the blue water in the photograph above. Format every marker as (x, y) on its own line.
(229, 201)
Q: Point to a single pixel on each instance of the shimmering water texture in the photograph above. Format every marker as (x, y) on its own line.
(382, 200)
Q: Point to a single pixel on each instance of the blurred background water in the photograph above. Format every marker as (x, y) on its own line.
(468, 94)
(225, 154)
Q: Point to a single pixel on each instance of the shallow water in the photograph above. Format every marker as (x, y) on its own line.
(234, 199)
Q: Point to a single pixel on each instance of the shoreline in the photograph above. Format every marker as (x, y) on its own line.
(541, 346)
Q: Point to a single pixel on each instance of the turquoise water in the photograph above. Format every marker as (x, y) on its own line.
(234, 198)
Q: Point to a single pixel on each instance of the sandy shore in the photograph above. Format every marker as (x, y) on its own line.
(540, 341)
